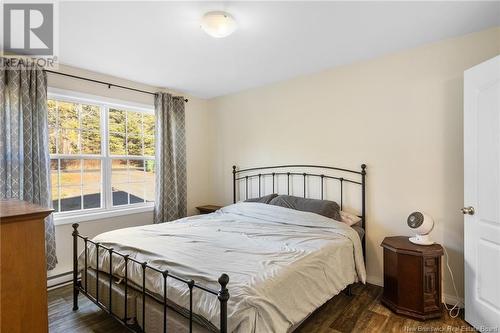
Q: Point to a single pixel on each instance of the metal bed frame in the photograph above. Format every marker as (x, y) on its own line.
(223, 293)
(247, 175)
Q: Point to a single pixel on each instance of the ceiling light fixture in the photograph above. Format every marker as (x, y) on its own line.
(218, 24)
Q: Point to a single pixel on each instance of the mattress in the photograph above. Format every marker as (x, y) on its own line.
(153, 323)
(282, 263)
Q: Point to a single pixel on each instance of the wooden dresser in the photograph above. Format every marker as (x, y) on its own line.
(412, 278)
(23, 272)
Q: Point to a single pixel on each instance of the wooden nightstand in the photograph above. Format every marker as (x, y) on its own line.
(207, 209)
(412, 278)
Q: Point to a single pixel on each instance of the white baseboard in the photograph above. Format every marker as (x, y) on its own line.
(375, 280)
(448, 299)
(66, 278)
(452, 300)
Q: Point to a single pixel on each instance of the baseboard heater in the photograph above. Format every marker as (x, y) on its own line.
(59, 280)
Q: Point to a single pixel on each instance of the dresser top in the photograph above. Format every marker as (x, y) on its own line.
(13, 210)
(402, 244)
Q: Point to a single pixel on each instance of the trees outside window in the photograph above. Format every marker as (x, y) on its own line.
(102, 156)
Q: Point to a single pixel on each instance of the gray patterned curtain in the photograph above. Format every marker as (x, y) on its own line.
(24, 143)
(171, 188)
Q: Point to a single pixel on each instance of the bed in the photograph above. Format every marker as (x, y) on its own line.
(282, 264)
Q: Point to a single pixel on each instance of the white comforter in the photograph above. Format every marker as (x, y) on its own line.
(282, 263)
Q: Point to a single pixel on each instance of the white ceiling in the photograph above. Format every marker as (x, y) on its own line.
(161, 43)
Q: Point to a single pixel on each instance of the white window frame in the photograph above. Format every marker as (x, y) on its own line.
(107, 209)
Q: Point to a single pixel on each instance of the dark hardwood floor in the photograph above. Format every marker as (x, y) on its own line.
(361, 312)
(89, 318)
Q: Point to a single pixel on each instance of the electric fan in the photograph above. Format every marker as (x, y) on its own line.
(422, 224)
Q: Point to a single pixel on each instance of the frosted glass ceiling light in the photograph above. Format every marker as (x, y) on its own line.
(218, 24)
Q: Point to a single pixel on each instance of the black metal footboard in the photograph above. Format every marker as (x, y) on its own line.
(222, 294)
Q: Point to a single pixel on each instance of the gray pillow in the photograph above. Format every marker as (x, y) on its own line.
(322, 207)
(265, 199)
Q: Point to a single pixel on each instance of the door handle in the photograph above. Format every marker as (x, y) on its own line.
(468, 210)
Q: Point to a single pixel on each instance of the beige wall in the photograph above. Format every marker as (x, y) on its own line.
(401, 114)
(198, 156)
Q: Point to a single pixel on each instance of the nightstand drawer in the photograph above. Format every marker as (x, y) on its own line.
(207, 209)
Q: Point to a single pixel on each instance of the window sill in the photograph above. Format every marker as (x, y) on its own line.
(85, 216)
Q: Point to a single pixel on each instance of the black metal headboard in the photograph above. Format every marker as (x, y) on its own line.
(260, 174)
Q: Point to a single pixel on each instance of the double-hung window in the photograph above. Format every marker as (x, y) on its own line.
(102, 156)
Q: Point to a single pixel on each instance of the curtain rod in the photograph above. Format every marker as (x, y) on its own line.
(107, 83)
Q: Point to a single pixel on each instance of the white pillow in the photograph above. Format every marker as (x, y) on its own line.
(348, 218)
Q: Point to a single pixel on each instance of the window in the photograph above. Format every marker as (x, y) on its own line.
(102, 155)
(131, 147)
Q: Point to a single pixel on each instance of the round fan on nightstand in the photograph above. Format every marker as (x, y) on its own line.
(422, 224)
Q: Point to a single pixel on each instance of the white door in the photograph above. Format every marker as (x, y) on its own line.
(482, 195)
